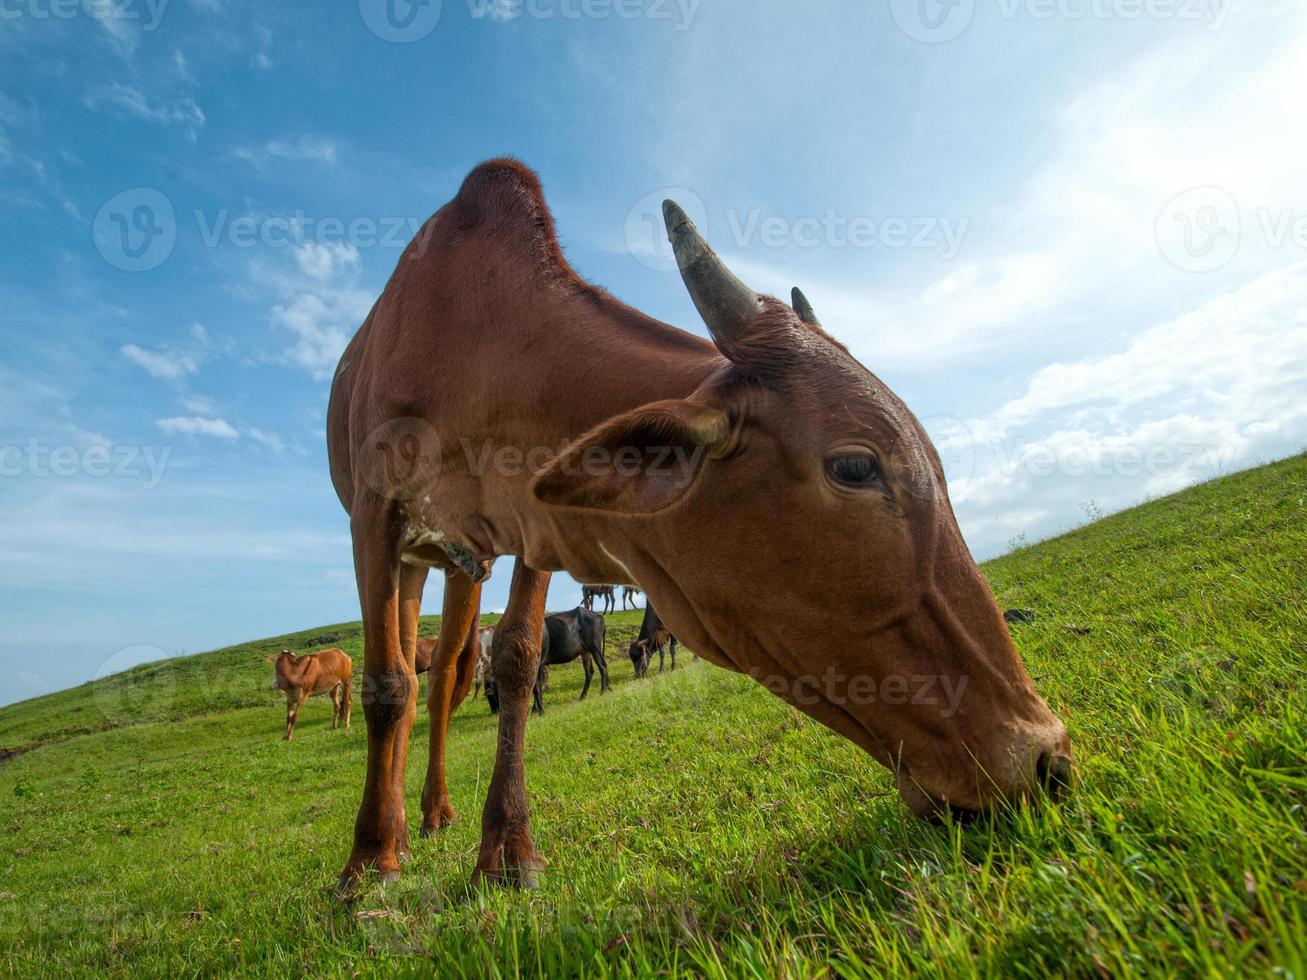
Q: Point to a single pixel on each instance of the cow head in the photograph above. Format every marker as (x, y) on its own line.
(790, 520)
(639, 654)
(288, 670)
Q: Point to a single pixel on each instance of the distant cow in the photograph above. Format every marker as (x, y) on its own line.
(589, 593)
(299, 678)
(629, 592)
(653, 636)
(481, 675)
(566, 636)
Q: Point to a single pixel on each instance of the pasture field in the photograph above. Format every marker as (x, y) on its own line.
(154, 823)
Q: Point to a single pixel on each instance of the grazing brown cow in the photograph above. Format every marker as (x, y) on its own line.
(767, 455)
(653, 637)
(481, 673)
(299, 678)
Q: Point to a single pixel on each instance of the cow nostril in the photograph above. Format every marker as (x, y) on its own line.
(1054, 772)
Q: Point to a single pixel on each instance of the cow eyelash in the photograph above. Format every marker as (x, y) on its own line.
(854, 469)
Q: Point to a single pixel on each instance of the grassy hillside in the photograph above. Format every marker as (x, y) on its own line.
(154, 824)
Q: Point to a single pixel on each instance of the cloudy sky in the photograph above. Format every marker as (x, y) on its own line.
(1071, 233)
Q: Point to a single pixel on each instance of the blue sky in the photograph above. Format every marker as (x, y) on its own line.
(1072, 234)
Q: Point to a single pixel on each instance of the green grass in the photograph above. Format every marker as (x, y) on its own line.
(154, 823)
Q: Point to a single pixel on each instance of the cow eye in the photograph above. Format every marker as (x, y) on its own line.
(854, 469)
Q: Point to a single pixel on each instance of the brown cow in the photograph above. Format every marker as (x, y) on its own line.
(299, 678)
(653, 637)
(767, 455)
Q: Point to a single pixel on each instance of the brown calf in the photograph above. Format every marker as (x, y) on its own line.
(299, 678)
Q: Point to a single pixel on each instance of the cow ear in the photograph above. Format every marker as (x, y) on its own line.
(636, 463)
(272, 658)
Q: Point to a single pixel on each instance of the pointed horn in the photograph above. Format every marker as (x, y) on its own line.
(726, 304)
(803, 307)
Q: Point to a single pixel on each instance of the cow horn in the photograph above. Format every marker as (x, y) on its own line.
(726, 304)
(803, 307)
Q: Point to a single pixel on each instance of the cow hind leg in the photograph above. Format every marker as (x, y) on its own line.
(465, 673)
(587, 664)
(507, 854)
(335, 707)
(462, 602)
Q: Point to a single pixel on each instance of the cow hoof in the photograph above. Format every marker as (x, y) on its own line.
(353, 879)
(509, 866)
(442, 818)
(523, 878)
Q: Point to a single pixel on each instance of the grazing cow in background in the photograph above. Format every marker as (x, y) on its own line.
(629, 592)
(764, 454)
(653, 636)
(481, 675)
(566, 636)
(299, 678)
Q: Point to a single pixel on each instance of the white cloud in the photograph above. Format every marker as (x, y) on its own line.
(1213, 390)
(268, 440)
(196, 426)
(319, 303)
(200, 405)
(326, 262)
(318, 149)
(171, 363)
(180, 111)
(168, 365)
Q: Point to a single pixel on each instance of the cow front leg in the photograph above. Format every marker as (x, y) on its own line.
(389, 693)
(294, 703)
(507, 855)
(458, 619)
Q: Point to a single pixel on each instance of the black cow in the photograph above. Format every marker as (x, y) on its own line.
(579, 633)
(653, 636)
